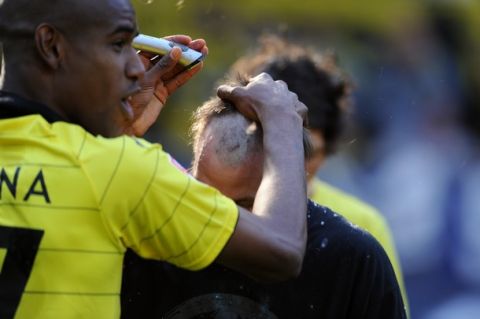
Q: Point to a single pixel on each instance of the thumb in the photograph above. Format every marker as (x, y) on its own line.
(238, 96)
(225, 92)
(165, 64)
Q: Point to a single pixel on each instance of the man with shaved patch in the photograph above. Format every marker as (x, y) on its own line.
(345, 274)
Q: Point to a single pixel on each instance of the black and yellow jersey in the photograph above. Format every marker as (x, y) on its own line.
(70, 205)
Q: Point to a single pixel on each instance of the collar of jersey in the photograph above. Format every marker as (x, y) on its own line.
(12, 105)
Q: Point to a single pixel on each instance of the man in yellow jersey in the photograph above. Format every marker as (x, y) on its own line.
(325, 89)
(345, 275)
(73, 198)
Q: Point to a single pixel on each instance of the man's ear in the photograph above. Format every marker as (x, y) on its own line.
(50, 45)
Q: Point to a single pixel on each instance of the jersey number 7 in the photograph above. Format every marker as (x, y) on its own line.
(22, 246)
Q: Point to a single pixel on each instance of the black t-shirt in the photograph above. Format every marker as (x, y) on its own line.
(345, 274)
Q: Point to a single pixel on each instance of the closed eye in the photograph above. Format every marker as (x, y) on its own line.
(119, 45)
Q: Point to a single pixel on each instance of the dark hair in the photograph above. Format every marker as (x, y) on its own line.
(314, 77)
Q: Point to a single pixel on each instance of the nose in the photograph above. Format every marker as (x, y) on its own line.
(135, 68)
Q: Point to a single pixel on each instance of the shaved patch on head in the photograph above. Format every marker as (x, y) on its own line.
(234, 138)
(219, 130)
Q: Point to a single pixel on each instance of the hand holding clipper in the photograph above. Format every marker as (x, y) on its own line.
(161, 47)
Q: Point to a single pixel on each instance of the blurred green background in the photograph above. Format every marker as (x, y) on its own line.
(412, 149)
(231, 28)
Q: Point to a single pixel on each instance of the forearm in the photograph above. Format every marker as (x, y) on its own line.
(270, 243)
(281, 199)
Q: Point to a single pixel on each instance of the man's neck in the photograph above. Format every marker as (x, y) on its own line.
(12, 105)
(22, 86)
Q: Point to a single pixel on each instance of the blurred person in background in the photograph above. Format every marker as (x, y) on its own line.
(417, 159)
(326, 91)
(459, 275)
(346, 272)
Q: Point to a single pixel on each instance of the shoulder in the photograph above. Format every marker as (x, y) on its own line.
(122, 169)
(332, 232)
(326, 193)
(135, 158)
(349, 206)
(347, 257)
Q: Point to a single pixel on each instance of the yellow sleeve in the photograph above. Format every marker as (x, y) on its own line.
(161, 212)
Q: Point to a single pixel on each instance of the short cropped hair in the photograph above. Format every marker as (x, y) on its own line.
(240, 138)
(317, 80)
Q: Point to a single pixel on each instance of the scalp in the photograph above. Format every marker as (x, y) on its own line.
(232, 138)
(219, 129)
(21, 17)
(238, 138)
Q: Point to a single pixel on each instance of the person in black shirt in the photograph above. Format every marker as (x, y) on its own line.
(345, 274)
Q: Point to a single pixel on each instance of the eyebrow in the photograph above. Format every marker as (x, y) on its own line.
(126, 29)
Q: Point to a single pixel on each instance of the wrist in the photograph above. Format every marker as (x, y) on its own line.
(286, 123)
(284, 140)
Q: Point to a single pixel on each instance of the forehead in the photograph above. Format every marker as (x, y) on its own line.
(119, 9)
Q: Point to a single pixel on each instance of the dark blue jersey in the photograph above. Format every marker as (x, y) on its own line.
(345, 274)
